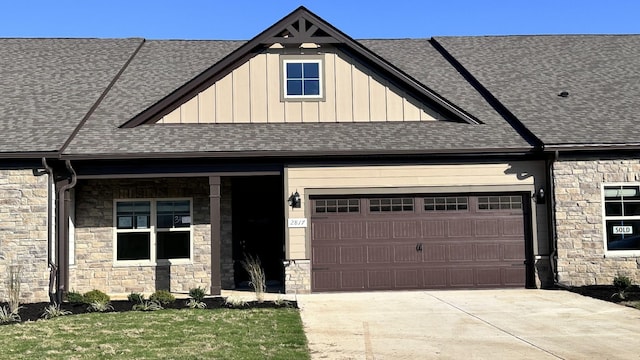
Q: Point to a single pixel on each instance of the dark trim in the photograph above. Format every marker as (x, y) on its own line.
(63, 203)
(36, 155)
(102, 96)
(515, 123)
(291, 153)
(591, 147)
(215, 218)
(274, 34)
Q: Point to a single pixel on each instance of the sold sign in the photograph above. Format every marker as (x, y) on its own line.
(625, 230)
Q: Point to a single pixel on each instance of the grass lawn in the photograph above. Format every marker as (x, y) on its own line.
(165, 334)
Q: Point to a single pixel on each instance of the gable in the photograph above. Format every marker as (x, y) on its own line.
(252, 93)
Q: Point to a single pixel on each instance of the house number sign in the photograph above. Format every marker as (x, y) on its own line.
(297, 222)
(626, 230)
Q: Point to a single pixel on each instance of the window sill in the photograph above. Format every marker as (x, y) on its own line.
(621, 253)
(153, 264)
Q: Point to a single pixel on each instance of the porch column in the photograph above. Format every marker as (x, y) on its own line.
(214, 210)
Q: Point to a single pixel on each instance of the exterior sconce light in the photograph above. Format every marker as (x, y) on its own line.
(294, 200)
(540, 196)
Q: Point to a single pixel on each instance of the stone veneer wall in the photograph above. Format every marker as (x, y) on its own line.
(23, 232)
(297, 277)
(580, 233)
(94, 238)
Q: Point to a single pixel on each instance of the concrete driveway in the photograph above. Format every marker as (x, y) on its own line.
(468, 324)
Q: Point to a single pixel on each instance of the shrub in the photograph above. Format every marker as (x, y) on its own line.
(164, 297)
(95, 296)
(622, 284)
(7, 316)
(197, 294)
(53, 311)
(195, 304)
(150, 305)
(135, 297)
(235, 302)
(74, 297)
(99, 306)
(256, 275)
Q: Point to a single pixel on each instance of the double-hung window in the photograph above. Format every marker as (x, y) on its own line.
(622, 216)
(302, 79)
(148, 231)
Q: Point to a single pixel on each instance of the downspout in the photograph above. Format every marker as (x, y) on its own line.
(53, 268)
(62, 244)
(553, 256)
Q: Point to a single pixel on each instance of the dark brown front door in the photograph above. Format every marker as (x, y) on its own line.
(417, 242)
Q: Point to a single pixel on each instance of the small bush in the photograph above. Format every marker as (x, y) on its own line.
(135, 297)
(98, 306)
(8, 316)
(150, 305)
(195, 304)
(621, 282)
(197, 294)
(253, 267)
(164, 297)
(74, 297)
(53, 311)
(235, 302)
(95, 296)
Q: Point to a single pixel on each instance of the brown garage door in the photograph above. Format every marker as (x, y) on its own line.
(417, 242)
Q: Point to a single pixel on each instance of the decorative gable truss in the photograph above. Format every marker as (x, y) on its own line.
(349, 84)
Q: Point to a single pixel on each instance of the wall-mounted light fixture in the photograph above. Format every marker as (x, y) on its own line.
(294, 200)
(540, 196)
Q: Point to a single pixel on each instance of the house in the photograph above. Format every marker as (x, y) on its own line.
(136, 165)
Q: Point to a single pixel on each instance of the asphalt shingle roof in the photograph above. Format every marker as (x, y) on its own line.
(48, 85)
(601, 73)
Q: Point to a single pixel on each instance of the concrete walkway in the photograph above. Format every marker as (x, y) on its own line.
(468, 324)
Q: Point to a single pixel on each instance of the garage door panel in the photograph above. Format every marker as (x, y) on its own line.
(405, 229)
(487, 228)
(325, 255)
(325, 231)
(379, 254)
(406, 279)
(351, 230)
(434, 278)
(461, 277)
(461, 252)
(488, 252)
(406, 254)
(352, 255)
(466, 243)
(379, 279)
(433, 228)
(352, 279)
(434, 253)
(378, 230)
(460, 228)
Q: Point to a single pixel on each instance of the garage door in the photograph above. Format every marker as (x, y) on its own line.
(417, 242)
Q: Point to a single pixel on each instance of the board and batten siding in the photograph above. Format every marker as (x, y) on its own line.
(251, 94)
(499, 177)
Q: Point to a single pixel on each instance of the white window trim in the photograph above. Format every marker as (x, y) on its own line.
(616, 253)
(298, 60)
(153, 261)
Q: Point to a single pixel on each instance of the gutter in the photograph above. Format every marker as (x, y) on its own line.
(62, 240)
(551, 221)
(53, 268)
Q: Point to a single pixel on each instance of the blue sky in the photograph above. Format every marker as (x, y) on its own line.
(214, 19)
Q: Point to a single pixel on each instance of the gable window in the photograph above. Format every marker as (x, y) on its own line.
(622, 216)
(302, 79)
(151, 230)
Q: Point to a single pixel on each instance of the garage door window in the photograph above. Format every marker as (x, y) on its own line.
(337, 206)
(499, 202)
(622, 217)
(390, 205)
(446, 203)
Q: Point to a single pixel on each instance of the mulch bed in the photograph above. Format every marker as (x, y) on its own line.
(607, 292)
(34, 311)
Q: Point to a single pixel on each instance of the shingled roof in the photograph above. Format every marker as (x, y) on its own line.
(599, 73)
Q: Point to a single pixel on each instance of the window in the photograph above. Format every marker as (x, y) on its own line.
(302, 79)
(449, 203)
(337, 206)
(150, 230)
(391, 205)
(622, 217)
(499, 202)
